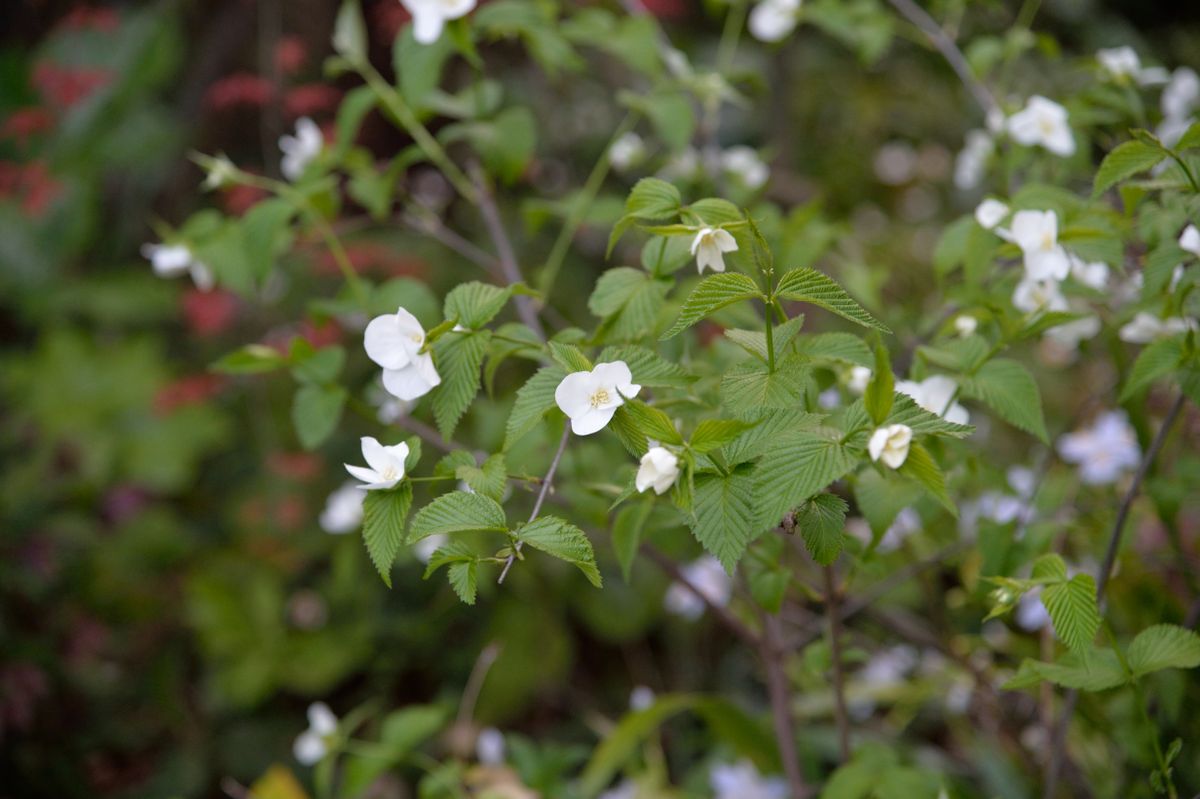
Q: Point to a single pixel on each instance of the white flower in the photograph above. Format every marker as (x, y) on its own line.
(990, 213)
(1094, 275)
(857, 379)
(995, 120)
(312, 745)
(658, 470)
(1123, 64)
(889, 666)
(221, 172)
(1169, 132)
(972, 160)
(1146, 327)
(829, 399)
(965, 325)
(890, 444)
(343, 510)
(430, 16)
(590, 399)
(423, 550)
(1033, 296)
(1189, 240)
(394, 341)
(173, 260)
(1070, 334)
(1103, 451)
(626, 151)
(386, 465)
(772, 20)
(300, 150)
(1031, 615)
(1181, 95)
(683, 165)
(744, 164)
(1036, 233)
(626, 789)
(936, 395)
(1042, 122)
(489, 747)
(709, 577)
(709, 246)
(742, 781)
(907, 522)
(641, 697)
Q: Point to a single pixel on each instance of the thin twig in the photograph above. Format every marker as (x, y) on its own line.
(547, 481)
(832, 600)
(672, 570)
(430, 225)
(949, 50)
(479, 672)
(1058, 740)
(781, 705)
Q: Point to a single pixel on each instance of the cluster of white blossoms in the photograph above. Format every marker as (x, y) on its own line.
(1146, 327)
(773, 20)
(999, 506)
(590, 399)
(706, 575)
(742, 780)
(1123, 65)
(1041, 123)
(396, 342)
(301, 149)
(312, 745)
(1104, 451)
(430, 16)
(385, 465)
(174, 260)
(659, 469)
(740, 164)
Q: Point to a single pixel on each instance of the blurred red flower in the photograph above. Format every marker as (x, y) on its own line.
(25, 123)
(66, 86)
(290, 55)
(190, 390)
(209, 312)
(311, 99)
(241, 88)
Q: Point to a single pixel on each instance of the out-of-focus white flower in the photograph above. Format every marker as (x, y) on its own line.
(895, 163)
(995, 121)
(221, 172)
(971, 163)
(1031, 615)
(385, 465)
(677, 63)
(312, 745)
(857, 379)
(1036, 233)
(343, 510)
(1042, 122)
(936, 395)
(301, 149)
(1189, 240)
(173, 260)
(890, 666)
(742, 781)
(1146, 327)
(1103, 451)
(1022, 479)
(394, 341)
(489, 747)
(890, 444)
(658, 470)
(626, 789)
(1123, 64)
(431, 16)
(1034, 296)
(709, 577)
(423, 550)
(390, 410)
(710, 246)
(990, 213)
(829, 399)
(589, 399)
(1092, 274)
(683, 165)
(772, 20)
(744, 164)
(1070, 334)
(965, 325)
(1181, 95)
(1169, 132)
(626, 151)
(641, 697)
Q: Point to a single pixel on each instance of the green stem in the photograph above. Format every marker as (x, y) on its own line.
(770, 315)
(1187, 170)
(735, 20)
(1140, 698)
(340, 257)
(579, 207)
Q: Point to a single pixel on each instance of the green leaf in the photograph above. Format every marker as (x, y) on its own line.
(755, 341)
(629, 300)
(1163, 646)
(880, 391)
(490, 479)
(713, 433)
(1190, 139)
(752, 385)
(906, 411)
(569, 357)
(651, 198)
(627, 530)
(463, 577)
(1125, 161)
(316, 411)
(770, 426)
(822, 522)
(815, 288)
(921, 467)
(648, 367)
(458, 512)
(459, 358)
(636, 422)
(1159, 359)
(384, 513)
(1007, 388)
(796, 468)
(534, 399)
(881, 496)
(321, 366)
(564, 541)
(724, 515)
(419, 66)
(840, 347)
(1073, 609)
(505, 143)
(713, 293)
(474, 304)
(1094, 670)
(400, 732)
(250, 359)
(1049, 568)
(350, 33)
